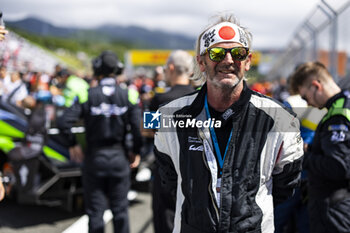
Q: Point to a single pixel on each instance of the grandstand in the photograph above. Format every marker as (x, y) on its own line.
(19, 54)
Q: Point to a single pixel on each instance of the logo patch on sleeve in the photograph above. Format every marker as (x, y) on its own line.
(340, 127)
(338, 136)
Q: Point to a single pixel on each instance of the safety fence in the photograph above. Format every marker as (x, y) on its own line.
(324, 36)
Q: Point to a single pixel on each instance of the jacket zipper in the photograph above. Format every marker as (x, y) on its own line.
(222, 175)
(211, 181)
(210, 189)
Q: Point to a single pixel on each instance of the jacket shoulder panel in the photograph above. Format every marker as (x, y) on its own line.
(178, 104)
(284, 119)
(166, 140)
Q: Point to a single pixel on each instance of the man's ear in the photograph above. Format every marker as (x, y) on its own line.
(171, 67)
(317, 84)
(201, 63)
(248, 62)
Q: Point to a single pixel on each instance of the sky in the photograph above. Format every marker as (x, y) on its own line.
(272, 22)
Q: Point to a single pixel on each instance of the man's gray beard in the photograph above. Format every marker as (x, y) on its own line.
(226, 88)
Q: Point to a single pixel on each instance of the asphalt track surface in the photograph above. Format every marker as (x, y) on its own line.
(15, 218)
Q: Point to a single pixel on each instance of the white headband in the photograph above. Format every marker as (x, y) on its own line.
(223, 32)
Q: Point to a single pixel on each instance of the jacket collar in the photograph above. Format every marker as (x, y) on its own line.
(198, 104)
(108, 81)
(331, 100)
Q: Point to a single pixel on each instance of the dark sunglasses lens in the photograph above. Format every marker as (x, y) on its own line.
(239, 53)
(217, 54)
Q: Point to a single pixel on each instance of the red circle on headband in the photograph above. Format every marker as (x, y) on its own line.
(227, 33)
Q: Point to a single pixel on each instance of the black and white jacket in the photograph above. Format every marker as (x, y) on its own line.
(262, 166)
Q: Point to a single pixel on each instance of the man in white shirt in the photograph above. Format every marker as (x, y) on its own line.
(15, 90)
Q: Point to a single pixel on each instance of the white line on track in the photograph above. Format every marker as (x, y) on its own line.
(81, 225)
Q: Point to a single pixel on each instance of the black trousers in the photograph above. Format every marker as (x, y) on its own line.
(99, 191)
(163, 206)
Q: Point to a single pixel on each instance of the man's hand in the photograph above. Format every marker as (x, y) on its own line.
(134, 160)
(76, 154)
(3, 32)
(2, 190)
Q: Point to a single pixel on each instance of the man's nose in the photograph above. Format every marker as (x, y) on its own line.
(228, 58)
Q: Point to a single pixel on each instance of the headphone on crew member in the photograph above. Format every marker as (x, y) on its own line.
(107, 63)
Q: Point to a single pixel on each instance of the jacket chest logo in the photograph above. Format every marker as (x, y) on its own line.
(194, 147)
(195, 144)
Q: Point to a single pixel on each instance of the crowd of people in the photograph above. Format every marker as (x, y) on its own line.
(270, 163)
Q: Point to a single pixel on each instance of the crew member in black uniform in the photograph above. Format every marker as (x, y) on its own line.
(108, 115)
(328, 158)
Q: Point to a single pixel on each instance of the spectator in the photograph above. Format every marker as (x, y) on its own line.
(160, 85)
(73, 87)
(16, 90)
(178, 70)
(280, 92)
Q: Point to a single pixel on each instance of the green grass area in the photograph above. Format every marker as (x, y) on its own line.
(72, 62)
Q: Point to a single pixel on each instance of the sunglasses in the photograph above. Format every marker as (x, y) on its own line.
(218, 54)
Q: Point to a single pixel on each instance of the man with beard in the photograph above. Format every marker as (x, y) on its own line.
(230, 153)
